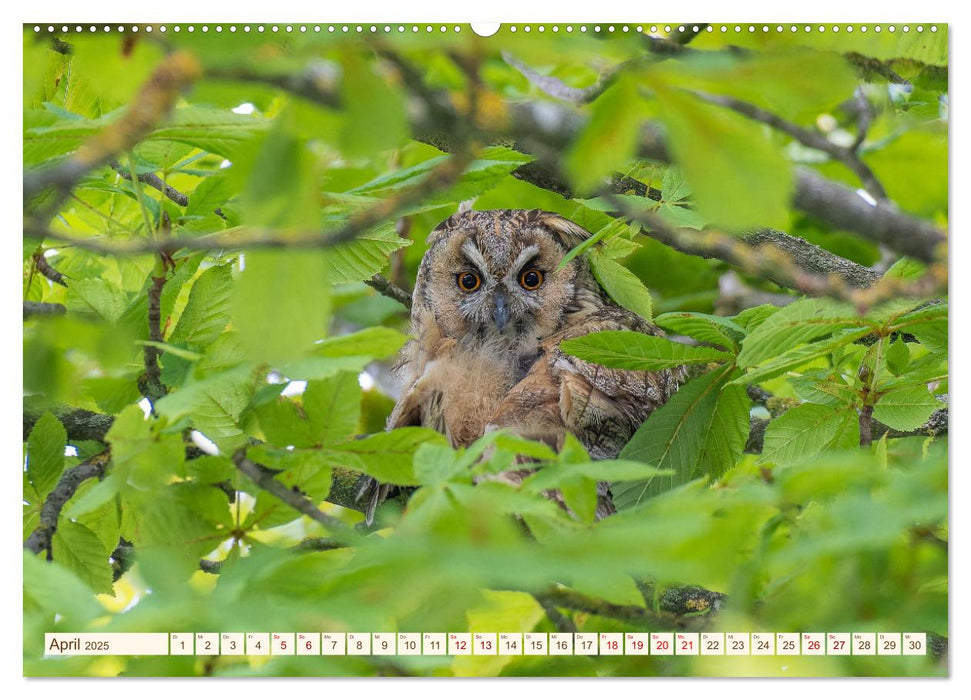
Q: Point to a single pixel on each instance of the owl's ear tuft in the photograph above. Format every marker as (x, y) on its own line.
(568, 233)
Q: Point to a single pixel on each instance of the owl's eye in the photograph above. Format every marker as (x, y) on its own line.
(468, 281)
(531, 279)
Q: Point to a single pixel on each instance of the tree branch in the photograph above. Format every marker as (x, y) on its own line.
(40, 308)
(437, 179)
(293, 498)
(387, 288)
(154, 181)
(40, 539)
(846, 156)
(79, 423)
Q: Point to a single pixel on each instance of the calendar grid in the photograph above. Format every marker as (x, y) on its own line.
(487, 644)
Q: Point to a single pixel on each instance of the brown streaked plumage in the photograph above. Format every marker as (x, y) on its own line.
(489, 311)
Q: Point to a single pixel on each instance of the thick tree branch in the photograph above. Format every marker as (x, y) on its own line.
(79, 423)
(40, 539)
(150, 383)
(44, 267)
(310, 544)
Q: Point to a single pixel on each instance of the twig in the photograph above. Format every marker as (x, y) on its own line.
(153, 180)
(554, 87)
(41, 308)
(437, 179)
(387, 288)
(40, 539)
(846, 156)
(44, 267)
(293, 498)
(571, 600)
(559, 620)
(311, 544)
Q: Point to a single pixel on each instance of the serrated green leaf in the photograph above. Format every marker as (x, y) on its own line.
(79, 550)
(213, 405)
(207, 311)
(673, 438)
(623, 286)
(377, 342)
(803, 432)
(800, 356)
(333, 408)
(800, 322)
(637, 351)
(716, 330)
(364, 256)
(367, 129)
(907, 408)
(45, 453)
(898, 357)
(388, 457)
(283, 425)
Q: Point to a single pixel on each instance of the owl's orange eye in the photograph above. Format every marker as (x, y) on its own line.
(468, 281)
(531, 279)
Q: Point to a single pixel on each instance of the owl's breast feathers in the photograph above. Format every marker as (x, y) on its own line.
(462, 392)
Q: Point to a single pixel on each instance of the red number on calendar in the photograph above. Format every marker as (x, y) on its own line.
(309, 645)
(637, 644)
(612, 645)
(838, 644)
(813, 645)
(486, 644)
(662, 645)
(460, 644)
(283, 644)
(687, 644)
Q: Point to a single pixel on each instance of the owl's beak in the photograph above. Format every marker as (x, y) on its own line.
(500, 313)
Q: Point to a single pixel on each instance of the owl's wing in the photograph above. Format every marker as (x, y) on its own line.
(602, 407)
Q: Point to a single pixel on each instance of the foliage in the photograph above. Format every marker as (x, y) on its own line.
(313, 163)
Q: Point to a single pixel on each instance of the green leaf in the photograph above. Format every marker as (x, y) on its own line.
(674, 437)
(907, 408)
(377, 342)
(281, 304)
(388, 457)
(59, 591)
(207, 312)
(333, 407)
(45, 453)
(623, 286)
(437, 464)
(800, 322)
(186, 520)
(800, 356)
(727, 433)
(283, 425)
(217, 131)
(716, 330)
(375, 112)
(142, 456)
(613, 470)
(738, 177)
(898, 357)
(803, 432)
(213, 405)
(79, 550)
(609, 137)
(637, 351)
(364, 256)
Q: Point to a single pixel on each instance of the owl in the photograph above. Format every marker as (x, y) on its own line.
(491, 305)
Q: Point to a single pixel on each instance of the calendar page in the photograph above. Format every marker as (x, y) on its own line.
(408, 349)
